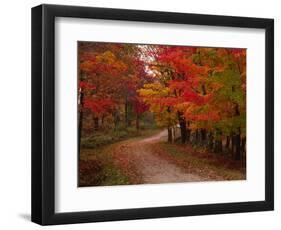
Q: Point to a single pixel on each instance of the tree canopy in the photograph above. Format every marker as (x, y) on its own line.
(200, 90)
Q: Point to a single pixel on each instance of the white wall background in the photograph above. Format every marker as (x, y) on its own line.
(15, 114)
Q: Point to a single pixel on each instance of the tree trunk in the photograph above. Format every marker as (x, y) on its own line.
(203, 136)
(237, 137)
(96, 123)
(80, 118)
(188, 131)
(173, 134)
(232, 145)
(197, 136)
(182, 123)
(170, 138)
(218, 146)
(237, 146)
(243, 146)
(137, 122)
(227, 144)
(211, 141)
(102, 120)
(218, 142)
(116, 119)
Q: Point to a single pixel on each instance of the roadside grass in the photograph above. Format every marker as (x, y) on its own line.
(210, 166)
(104, 138)
(101, 169)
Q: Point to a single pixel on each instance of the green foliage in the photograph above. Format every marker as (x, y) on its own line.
(231, 89)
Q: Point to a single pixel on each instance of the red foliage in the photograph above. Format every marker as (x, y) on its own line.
(238, 52)
(196, 98)
(99, 106)
(86, 85)
(210, 116)
(139, 106)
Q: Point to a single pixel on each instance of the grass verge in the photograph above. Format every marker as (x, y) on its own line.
(209, 166)
(105, 138)
(96, 168)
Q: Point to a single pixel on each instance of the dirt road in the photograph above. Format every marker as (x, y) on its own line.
(138, 154)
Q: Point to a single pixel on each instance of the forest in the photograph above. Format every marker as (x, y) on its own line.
(143, 107)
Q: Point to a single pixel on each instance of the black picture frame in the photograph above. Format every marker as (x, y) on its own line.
(43, 114)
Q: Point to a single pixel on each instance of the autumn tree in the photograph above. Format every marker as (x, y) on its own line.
(201, 90)
(205, 90)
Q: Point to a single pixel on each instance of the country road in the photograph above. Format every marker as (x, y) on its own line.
(151, 160)
(150, 167)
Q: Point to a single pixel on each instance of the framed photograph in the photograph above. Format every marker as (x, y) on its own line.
(142, 114)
